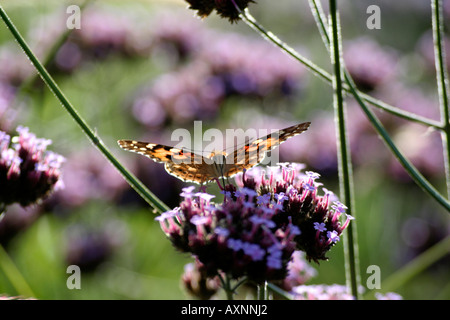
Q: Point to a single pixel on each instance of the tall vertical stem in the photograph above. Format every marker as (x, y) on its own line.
(442, 83)
(344, 159)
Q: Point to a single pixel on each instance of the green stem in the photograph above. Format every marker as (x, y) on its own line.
(13, 274)
(442, 82)
(319, 17)
(344, 159)
(315, 69)
(129, 177)
(280, 291)
(226, 285)
(407, 165)
(239, 283)
(321, 73)
(415, 174)
(262, 291)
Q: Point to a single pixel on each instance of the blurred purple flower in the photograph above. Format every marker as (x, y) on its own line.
(28, 172)
(15, 66)
(7, 112)
(197, 283)
(299, 273)
(221, 66)
(388, 296)
(177, 37)
(425, 47)
(333, 292)
(321, 292)
(16, 220)
(88, 177)
(89, 247)
(369, 64)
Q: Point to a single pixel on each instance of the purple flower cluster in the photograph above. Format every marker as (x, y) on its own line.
(225, 8)
(256, 229)
(28, 172)
(297, 196)
(238, 237)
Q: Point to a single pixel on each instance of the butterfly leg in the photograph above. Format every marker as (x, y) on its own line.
(202, 188)
(218, 183)
(223, 182)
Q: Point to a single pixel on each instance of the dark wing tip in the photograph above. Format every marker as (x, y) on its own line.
(127, 144)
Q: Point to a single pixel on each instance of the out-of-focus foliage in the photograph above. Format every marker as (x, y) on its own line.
(140, 69)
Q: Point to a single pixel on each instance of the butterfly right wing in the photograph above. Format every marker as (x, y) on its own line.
(183, 164)
(252, 153)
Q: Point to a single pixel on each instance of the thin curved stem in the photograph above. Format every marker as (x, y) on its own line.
(319, 17)
(321, 73)
(239, 283)
(142, 190)
(280, 291)
(407, 165)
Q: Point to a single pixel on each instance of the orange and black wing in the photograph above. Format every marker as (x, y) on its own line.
(183, 164)
(254, 152)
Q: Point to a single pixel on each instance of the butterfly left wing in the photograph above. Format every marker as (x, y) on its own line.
(183, 164)
(253, 153)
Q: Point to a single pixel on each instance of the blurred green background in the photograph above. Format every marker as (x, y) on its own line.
(120, 70)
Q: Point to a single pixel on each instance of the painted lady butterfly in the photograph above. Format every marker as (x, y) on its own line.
(192, 167)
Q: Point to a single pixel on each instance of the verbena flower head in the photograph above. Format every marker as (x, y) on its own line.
(297, 196)
(225, 8)
(239, 237)
(256, 229)
(28, 172)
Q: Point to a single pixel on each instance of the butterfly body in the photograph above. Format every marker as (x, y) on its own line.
(192, 167)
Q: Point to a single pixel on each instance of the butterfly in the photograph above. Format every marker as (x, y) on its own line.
(192, 167)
